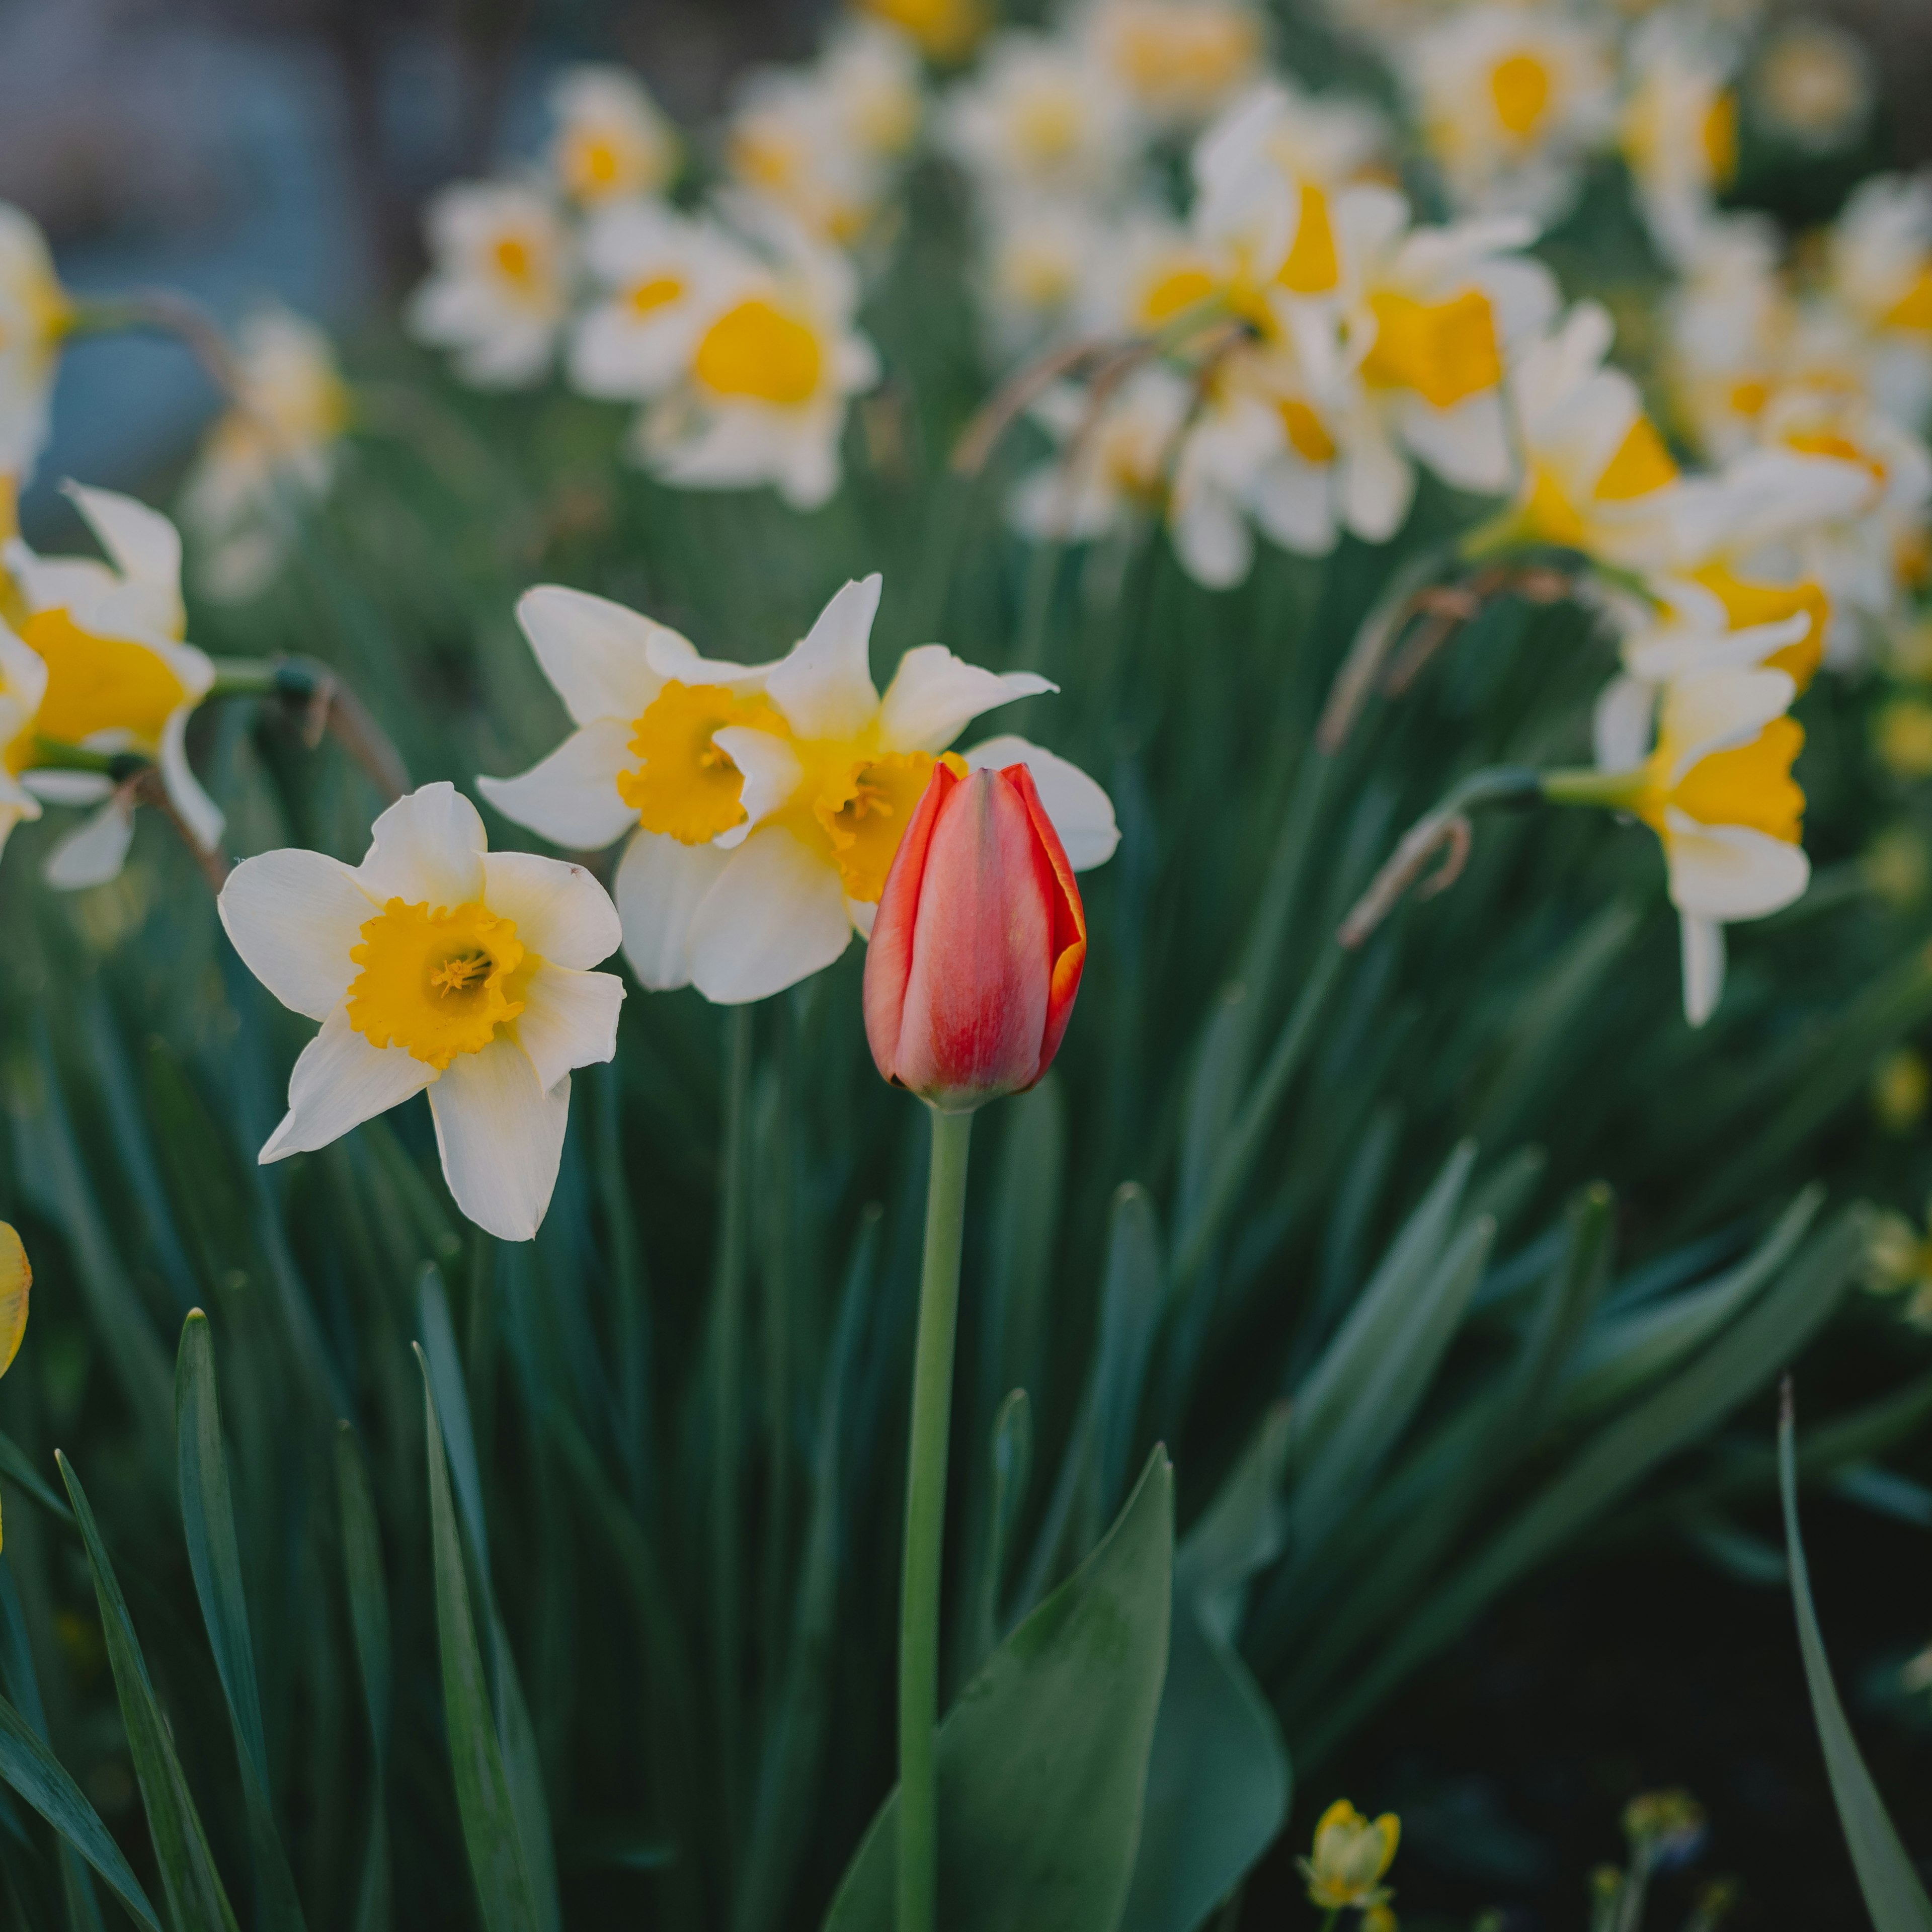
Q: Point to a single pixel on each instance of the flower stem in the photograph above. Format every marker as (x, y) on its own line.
(925, 1524)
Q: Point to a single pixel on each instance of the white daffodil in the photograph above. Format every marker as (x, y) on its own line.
(119, 677)
(499, 285)
(1716, 789)
(1729, 321)
(1264, 176)
(1236, 431)
(438, 964)
(1511, 100)
(23, 683)
(1146, 272)
(1179, 61)
(1596, 476)
(1115, 458)
(762, 804)
(1680, 130)
(1879, 271)
(763, 396)
(35, 315)
(943, 30)
(663, 274)
(1040, 259)
(613, 140)
(1431, 319)
(278, 445)
(1812, 84)
(1040, 116)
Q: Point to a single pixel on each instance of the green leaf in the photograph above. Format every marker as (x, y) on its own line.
(1043, 1762)
(369, 1623)
(1219, 1779)
(1893, 1894)
(1010, 1462)
(207, 1522)
(15, 1468)
(491, 1836)
(190, 1882)
(30, 1767)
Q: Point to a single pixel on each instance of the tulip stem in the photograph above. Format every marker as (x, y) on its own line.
(926, 1523)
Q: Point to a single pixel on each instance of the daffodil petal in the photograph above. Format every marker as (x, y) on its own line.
(571, 797)
(660, 884)
(58, 788)
(94, 853)
(935, 695)
(595, 653)
(1731, 871)
(775, 916)
(824, 687)
(197, 811)
(1082, 812)
(562, 913)
(340, 1080)
(142, 544)
(1621, 723)
(1703, 949)
(569, 1019)
(770, 768)
(292, 916)
(17, 1279)
(500, 1134)
(426, 847)
(1706, 712)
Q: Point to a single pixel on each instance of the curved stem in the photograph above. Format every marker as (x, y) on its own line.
(925, 1524)
(168, 312)
(332, 706)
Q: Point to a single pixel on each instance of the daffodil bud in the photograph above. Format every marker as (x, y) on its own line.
(977, 950)
(1351, 1854)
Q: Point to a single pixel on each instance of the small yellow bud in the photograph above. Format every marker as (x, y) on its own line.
(1898, 867)
(1378, 1918)
(1900, 1086)
(1350, 1854)
(1662, 1826)
(1903, 737)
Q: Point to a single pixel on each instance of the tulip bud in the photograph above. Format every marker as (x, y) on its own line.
(978, 946)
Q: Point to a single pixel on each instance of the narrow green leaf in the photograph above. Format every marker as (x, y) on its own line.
(1893, 1894)
(207, 1522)
(15, 1468)
(490, 1834)
(1043, 1762)
(189, 1883)
(1011, 1456)
(369, 1623)
(1213, 1092)
(1131, 1290)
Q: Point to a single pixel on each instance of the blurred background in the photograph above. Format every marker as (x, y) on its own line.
(239, 149)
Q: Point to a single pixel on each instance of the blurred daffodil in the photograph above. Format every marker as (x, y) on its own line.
(118, 678)
(1898, 866)
(613, 141)
(436, 963)
(1902, 736)
(498, 285)
(23, 683)
(17, 1279)
(1351, 1856)
(35, 315)
(1179, 61)
(1812, 84)
(279, 445)
(1039, 116)
(1679, 133)
(1879, 272)
(1900, 1085)
(943, 30)
(764, 804)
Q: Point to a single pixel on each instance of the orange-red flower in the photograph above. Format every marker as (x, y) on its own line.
(977, 950)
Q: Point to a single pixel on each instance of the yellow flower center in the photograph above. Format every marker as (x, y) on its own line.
(1720, 138)
(1547, 514)
(1312, 268)
(684, 786)
(945, 29)
(654, 291)
(592, 165)
(1642, 464)
(855, 808)
(1826, 442)
(756, 351)
(1189, 53)
(1519, 86)
(1173, 292)
(1748, 397)
(437, 983)
(1445, 351)
(515, 260)
(1913, 309)
(1746, 604)
(1307, 436)
(1046, 125)
(1750, 785)
(100, 684)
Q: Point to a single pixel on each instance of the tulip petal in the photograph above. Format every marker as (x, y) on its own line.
(500, 1134)
(94, 853)
(889, 942)
(1703, 940)
(339, 1081)
(569, 1019)
(660, 885)
(571, 797)
(426, 848)
(1082, 812)
(561, 912)
(1070, 917)
(935, 695)
(292, 916)
(824, 686)
(595, 652)
(775, 916)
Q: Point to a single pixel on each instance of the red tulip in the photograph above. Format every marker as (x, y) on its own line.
(978, 946)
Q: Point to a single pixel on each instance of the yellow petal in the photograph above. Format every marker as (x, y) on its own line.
(15, 1279)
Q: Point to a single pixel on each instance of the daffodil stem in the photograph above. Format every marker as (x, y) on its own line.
(1328, 1923)
(1587, 786)
(167, 312)
(330, 706)
(925, 1524)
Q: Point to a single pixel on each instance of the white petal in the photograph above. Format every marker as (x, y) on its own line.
(95, 852)
(500, 1134)
(1710, 710)
(771, 771)
(1620, 725)
(933, 695)
(1212, 539)
(143, 543)
(660, 884)
(339, 1081)
(1290, 502)
(569, 1019)
(199, 812)
(292, 916)
(1731, 871)
(23, 673)
(775, 916)
(1377, 486)
(57, 787)
(426, 848)
(571, 797)
(1703, 940)
(1082, 812)
(561, 912)
(1467, 445)
(595, 652)
(824, 687)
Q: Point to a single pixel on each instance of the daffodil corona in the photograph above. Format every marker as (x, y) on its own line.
(436, 963)
(762, 804)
